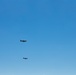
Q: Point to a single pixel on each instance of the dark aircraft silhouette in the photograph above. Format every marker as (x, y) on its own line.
(23, 40)
(25, 58)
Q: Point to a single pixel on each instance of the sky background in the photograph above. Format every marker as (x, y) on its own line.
(50, 29)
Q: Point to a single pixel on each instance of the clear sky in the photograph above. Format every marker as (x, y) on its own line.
(50, 29)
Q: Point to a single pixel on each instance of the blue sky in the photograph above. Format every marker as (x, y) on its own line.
(50, 28)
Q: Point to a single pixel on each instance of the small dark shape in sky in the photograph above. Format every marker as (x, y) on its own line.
(25, 58)
(23, 40)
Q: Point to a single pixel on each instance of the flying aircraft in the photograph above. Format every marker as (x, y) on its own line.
(25, 58)
(23, 40)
